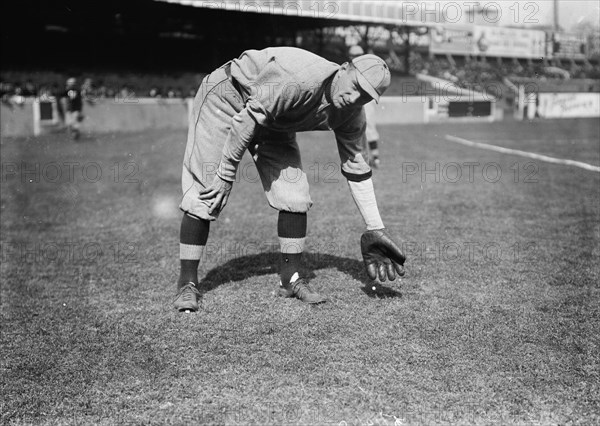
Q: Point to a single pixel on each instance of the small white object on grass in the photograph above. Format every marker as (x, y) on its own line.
(187, 311)
(374, 288)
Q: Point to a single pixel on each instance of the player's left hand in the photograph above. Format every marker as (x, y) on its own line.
(218, 192)
(382, 256)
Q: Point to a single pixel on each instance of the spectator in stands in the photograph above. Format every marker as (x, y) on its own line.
(111, 93)
(87, 90)
(18, 98)
(448, 76)
(29, 88)
(125, 92)
(154, 92)
(371, 150)
(72, 105)
(45, 94)
(6, 90)
(101, 91)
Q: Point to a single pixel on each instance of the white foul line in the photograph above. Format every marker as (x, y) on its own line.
(540, 157)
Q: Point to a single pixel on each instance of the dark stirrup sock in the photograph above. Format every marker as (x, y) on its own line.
(192, 240)
(291, 229)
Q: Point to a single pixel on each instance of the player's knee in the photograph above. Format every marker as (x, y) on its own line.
(295, 208)
(300, 206)
(295, 201)
(290, 191)
(195, 207)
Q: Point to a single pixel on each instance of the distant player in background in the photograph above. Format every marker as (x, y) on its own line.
(87, 90)
(371, 150)
(71, 101)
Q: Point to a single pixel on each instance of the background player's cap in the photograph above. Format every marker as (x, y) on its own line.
(71, 81)
(373, 74)
(355, 51)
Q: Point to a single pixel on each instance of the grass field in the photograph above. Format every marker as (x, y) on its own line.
(495, 322)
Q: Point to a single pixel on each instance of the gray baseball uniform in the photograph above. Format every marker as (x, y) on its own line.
(258, 102)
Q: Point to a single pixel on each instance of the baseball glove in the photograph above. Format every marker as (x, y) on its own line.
(382, 256)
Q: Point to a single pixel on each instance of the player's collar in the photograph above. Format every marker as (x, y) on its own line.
(326, 97)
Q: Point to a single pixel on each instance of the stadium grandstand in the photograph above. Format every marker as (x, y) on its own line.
(163, 48)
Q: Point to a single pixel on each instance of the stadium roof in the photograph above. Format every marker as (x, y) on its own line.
(364, 12)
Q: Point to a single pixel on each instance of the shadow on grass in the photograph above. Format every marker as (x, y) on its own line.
(254, 265)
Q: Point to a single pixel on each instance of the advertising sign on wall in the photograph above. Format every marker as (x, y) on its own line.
(568, 105)
(509, 42)
(455, 39)
(569, 46)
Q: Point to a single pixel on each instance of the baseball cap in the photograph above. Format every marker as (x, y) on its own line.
(373, 74)
(356, 50)
(71, 81)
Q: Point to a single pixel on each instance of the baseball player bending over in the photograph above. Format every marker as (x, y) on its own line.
(258, 102)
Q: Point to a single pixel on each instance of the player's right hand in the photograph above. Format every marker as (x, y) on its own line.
(218, 193)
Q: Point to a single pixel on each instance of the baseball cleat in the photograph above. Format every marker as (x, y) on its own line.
(187, 298)
(300, 289)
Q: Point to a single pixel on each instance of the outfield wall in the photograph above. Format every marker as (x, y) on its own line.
(136, 114)
(126, 115)
(401, 110)
(103, 115)
(16, 119)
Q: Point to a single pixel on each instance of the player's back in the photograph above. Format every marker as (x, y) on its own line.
(276, 66)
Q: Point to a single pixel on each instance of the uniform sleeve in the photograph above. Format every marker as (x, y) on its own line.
(363, 194)
(243, 128)
(350, 137)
